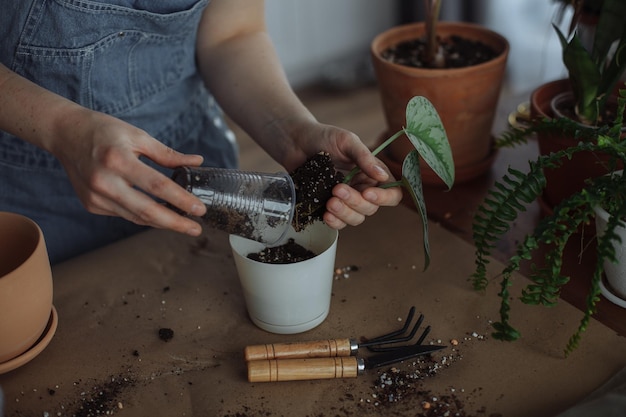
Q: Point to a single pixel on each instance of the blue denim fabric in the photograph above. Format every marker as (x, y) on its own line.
(132, 59)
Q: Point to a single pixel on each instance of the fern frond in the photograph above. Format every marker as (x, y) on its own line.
(608, 191)
(555, 231)
(510, 196)
(559, 126)
(502, 206)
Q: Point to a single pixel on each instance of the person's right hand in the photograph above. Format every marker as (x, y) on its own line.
(101, 155)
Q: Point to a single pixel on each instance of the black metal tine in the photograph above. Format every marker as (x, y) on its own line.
(383, 338)
(378, 348)
(423, 335)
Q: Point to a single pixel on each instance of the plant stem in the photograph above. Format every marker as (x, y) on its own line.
(433, 8)
(387, 142)
(375, 152)
(391, 184)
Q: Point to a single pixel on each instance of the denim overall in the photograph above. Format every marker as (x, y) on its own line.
(133, 59)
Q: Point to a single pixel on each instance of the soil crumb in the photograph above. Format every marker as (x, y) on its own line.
(166, 334)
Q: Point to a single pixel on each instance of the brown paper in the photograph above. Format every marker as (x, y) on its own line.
(107, 354)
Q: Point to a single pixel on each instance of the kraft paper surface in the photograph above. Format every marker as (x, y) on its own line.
(107, 354)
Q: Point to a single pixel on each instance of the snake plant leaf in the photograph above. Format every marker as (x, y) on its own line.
(609, 31)
(427, 134)
(584, 75)
(412, 181)
(610, 27)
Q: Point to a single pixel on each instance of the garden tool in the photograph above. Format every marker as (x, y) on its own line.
(333, 358)
(330, 368)
(336, 347)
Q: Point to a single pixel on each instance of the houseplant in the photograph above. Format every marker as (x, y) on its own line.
(590, 89)
(587, 131)
(518, 189)
(465, 96)
(427, 136)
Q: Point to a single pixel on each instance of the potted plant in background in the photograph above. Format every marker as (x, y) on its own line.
(593, 77)
(517, 189)
(588, 94)
(440, 65)
(585, 15)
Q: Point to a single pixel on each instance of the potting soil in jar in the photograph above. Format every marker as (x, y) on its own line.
(257, 206)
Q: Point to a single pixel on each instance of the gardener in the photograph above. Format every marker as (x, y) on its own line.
(100, 99)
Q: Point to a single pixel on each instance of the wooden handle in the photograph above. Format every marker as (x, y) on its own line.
(315, 349)
(303, 369)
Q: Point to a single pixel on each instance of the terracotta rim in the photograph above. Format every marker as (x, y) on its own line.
(409, 31)
(35, 238)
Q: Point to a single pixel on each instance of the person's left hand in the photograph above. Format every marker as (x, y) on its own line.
(351, 203)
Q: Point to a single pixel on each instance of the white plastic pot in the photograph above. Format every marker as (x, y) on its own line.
(615, 273)
(288, 298)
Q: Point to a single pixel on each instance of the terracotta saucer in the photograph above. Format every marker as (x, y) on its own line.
(36, 349)
(607, 292)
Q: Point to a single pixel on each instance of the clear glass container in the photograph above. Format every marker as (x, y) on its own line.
(254, 205)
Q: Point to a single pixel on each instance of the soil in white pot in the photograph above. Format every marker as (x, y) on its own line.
(286, 253)
(313, 181)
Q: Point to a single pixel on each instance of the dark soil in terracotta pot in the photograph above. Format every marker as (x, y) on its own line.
(564, 105)
(457, 52)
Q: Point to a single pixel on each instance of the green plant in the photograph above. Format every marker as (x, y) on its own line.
(594, 74)
(428, 136)
(579, 7)
(517, 189)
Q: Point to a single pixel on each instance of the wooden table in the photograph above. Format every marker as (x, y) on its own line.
(107, 355)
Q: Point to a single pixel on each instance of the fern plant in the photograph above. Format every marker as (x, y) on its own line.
(511, 195)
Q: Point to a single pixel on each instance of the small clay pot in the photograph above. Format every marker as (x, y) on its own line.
(25, 285)
(570, 177)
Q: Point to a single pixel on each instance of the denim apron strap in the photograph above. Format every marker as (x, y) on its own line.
(133, 59)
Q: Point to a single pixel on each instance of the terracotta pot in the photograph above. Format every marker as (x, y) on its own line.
(465, 98)
(25, 285)
(570, 177)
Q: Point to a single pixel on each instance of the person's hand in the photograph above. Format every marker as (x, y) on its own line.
(351, 203)
(101, 158)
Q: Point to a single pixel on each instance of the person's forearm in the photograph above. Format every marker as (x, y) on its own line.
(243, 72)
(31, 112)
